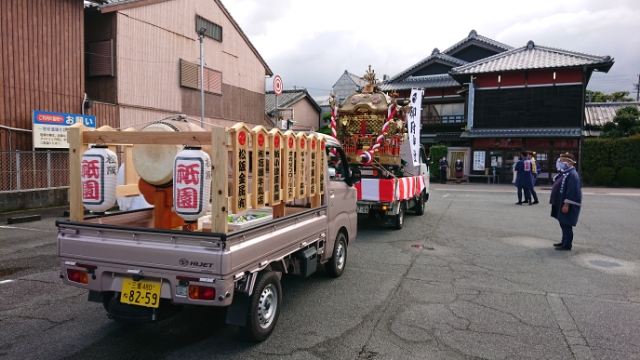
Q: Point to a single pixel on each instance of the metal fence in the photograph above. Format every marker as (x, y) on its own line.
(33, 170)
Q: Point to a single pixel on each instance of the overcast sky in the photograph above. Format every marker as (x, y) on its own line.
(310, 43)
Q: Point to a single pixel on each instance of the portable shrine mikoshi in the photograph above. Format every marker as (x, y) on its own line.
(370, 125)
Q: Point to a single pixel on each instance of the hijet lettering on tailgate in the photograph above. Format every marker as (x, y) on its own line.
(185, 262)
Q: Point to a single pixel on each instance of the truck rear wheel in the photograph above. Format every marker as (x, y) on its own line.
(335, 266)
(400, 217)
(419, 208)
(264, 307)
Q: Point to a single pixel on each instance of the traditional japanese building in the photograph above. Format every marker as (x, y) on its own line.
(297, 110)
(502, 100)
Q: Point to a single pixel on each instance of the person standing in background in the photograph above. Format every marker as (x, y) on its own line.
(524, 178)
(566, 199)
(444, 168)
(535, 170)
(459, 168)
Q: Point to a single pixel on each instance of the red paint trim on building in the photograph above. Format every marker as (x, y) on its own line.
(541, 77)
(450, 91)
(432, 92)
(486, 80)
(568, 76)
(512, 79)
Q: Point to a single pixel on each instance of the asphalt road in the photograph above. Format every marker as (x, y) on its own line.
(475, 277)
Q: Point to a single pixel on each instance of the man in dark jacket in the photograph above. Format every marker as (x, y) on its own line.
(566, 199)
(524, 178)
(444, 166)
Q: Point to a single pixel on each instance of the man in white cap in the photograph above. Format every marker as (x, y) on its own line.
(566, 199)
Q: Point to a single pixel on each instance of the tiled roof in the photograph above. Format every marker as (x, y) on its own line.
(288, 98)
(533, 57)
(523, 132)
(435, 55)
(426, 82)
(473, 35)
(357, 79)
(447, 137)
(598, 114)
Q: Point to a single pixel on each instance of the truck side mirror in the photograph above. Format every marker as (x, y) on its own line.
(355, 177)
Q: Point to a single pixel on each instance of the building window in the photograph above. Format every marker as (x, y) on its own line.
(190, 77)
(100, 59)
(214, 30)
(435, 114)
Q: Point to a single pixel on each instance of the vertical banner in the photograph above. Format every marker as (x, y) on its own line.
(472, 98)
(312, 175)
(289, 165)
(413, 124)
(275, 167)
(301, 165)
(323, 161)
(241, 136)
(258, 185)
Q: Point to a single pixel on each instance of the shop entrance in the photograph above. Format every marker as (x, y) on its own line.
(504, 161)
(455, 155)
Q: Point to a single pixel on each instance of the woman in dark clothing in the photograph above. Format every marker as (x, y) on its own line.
(459, 167)
(566, 199)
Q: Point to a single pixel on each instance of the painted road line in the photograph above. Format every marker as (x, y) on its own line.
(5, 281)
(20, 228)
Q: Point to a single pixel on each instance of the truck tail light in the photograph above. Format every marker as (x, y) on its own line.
(202, 292)
(78, 276)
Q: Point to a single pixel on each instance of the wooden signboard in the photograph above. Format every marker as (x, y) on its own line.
(240, 139)
(302, 152)
(312, 174)
(276, 143)
(289, 166)
(323, 160)
(259, 184)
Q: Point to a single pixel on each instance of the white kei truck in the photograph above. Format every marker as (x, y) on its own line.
(386, 196)
(377, 136)
(145, 265)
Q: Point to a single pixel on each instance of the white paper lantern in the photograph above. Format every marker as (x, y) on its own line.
(99, 176)
(191, 183)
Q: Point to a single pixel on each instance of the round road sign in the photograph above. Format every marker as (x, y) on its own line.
(277, 85)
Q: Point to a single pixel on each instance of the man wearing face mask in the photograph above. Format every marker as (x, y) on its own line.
(524, 178)
(566, 199)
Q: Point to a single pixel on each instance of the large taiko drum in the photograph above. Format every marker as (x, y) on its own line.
(154, 163)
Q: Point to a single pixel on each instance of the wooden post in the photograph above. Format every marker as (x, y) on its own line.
(76, 149)
(219, 180)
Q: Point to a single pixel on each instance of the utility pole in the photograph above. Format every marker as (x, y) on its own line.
(201, 36)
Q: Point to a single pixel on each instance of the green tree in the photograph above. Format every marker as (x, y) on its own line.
(616, 96)
(625, 123)
(326, 117)
(324, 130)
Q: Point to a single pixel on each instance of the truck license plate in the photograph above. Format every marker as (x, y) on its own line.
(142, 293)
(362, 209)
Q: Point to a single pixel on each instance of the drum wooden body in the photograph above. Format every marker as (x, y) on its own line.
(154, 163)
